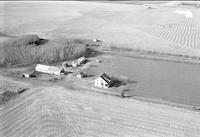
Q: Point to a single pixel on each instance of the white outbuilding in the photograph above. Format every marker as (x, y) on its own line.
(48, 69)
(30, 74)
(96, 40)
(104, 81)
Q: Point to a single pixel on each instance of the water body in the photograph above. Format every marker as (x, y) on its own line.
(168, 81)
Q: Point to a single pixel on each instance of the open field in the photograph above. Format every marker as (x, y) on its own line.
(59, 111)
(163, 95)
(123, 25)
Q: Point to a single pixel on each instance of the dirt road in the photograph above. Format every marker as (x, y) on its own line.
(57, 111)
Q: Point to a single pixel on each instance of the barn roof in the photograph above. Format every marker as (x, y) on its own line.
(48, 68)
(106, 78)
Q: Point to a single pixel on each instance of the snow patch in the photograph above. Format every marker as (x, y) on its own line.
(106, 118)
(187, 13)
(88, 108)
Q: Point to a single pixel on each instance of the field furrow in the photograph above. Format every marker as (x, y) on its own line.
(57, 112)
(185, 32)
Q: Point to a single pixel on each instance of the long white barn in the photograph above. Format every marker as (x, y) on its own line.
(48, 69)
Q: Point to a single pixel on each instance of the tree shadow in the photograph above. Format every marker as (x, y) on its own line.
(23, 90)
(116, 82)
(95, 66)
(132, 81)
(41, 41)
(89, 75)
(67, 72)
(91, 52)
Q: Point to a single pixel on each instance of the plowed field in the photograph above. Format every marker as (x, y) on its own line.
(53, 112)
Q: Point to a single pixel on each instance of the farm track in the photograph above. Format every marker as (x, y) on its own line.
(185, 32)
(57, 111)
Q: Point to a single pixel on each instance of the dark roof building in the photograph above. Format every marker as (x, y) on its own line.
(106, 78)
(104, 81)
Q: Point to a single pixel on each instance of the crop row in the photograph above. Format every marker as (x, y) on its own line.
(185, 32)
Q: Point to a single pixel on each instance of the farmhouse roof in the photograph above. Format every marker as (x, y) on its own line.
(106, 78)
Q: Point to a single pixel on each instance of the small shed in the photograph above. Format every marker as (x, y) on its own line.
(48, 69)
(81, 60)
(104, 81)
(81, 75)
(78, 62)
(96, 40)
(30, 74)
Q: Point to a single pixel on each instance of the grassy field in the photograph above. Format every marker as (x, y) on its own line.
(124, 25)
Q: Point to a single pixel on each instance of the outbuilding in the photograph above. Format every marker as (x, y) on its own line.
(104, 81)
(30, 74)
(48, 69)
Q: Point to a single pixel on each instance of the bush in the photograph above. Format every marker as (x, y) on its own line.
(9, 90)
(6, 86)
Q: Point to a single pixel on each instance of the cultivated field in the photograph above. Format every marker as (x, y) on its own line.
(139, 27)
(185, 32)
(61, 112)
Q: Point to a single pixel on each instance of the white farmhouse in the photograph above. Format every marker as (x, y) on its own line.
(104, 81)
(48, 69)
